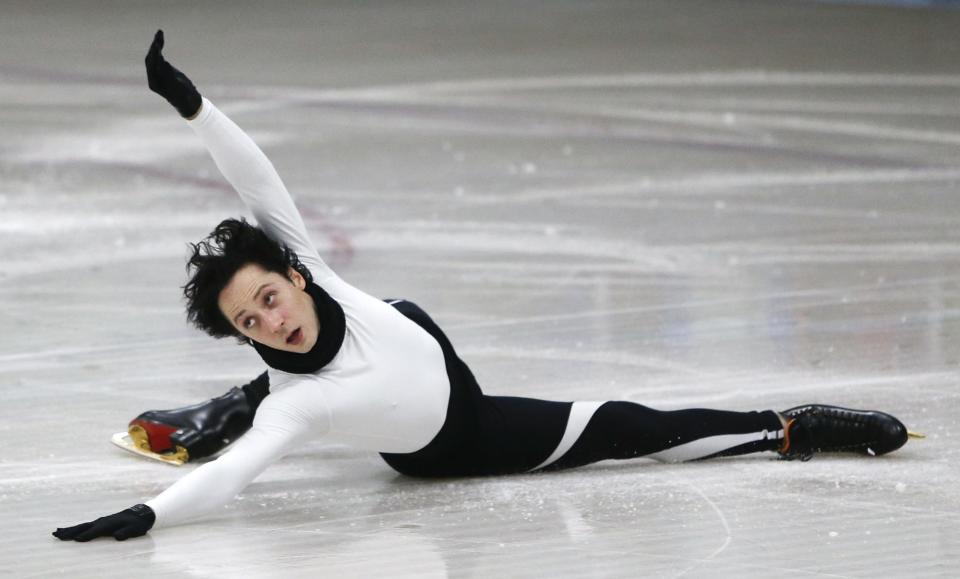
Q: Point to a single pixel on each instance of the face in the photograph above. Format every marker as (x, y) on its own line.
(271, 309)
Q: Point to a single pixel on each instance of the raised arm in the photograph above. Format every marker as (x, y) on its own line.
(239, 159)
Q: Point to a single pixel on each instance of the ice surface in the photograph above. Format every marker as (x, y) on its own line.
(739, 205)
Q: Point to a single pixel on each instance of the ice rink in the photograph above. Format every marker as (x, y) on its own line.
(731, 204)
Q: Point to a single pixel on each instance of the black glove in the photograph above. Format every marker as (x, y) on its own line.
(170, 83)
(132, 522)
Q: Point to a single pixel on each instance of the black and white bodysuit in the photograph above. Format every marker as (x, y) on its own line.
(397, 387)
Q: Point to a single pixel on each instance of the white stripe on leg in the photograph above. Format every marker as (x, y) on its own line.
(711, 445)
(580, 415)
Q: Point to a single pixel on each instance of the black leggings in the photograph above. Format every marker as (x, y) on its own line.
(490, 435)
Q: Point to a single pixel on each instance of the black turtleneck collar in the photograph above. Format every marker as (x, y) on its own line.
(332, 328)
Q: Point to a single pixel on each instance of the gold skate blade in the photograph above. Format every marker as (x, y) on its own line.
(914, 434)
(124, 441)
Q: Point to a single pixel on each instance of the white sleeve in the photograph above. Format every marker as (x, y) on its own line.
(283, 420)
(252, 175)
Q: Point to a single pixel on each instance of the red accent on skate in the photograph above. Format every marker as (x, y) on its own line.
(157, 434)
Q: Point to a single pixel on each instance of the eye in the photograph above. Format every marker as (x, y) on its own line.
(270, 298)
(248, 323)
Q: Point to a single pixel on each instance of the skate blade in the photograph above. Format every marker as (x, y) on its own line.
(124, 441)
(914, 434)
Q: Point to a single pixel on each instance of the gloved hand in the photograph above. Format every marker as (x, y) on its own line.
(132, 522)
(170, 83)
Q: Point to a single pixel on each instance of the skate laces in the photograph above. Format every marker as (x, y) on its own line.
(816, 428)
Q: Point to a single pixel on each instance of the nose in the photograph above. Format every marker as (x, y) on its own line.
(274, 321)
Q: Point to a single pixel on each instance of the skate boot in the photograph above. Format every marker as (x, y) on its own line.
(819, 428)
(194, 432)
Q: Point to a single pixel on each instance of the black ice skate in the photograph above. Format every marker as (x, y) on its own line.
(819, 428)
(189, 433)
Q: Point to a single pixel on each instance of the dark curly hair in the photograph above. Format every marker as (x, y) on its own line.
(215, 259)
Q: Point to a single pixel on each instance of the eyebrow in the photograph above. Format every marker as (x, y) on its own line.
(255, 296)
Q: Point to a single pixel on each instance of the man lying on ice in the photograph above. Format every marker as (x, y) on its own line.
(382, 376)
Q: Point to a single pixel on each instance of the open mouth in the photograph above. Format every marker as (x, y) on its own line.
(295, 337)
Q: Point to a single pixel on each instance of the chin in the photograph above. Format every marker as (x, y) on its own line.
(301, 349)
(308, 345)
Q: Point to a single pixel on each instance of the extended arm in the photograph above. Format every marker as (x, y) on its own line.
(239, 159)
(253, 176)
(285, 419)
